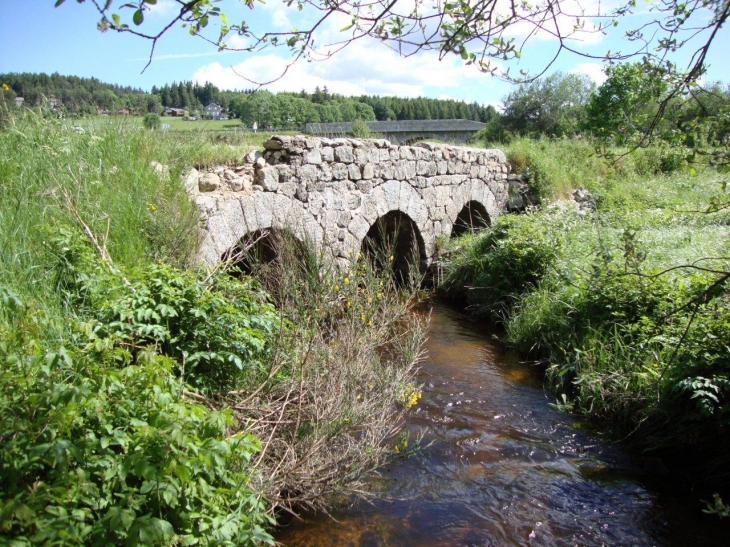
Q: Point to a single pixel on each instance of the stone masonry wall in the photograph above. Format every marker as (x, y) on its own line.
(331, 191)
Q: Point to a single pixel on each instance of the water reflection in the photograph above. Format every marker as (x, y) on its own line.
(503, 468)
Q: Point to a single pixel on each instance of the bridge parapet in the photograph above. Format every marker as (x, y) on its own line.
(332, 191)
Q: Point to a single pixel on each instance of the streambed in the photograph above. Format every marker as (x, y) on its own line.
(505, 468)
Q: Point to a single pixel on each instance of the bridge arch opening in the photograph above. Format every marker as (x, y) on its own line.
(395, 243)
(264, 253)
(473, 216)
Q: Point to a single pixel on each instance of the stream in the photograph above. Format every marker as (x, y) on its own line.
(505, 468)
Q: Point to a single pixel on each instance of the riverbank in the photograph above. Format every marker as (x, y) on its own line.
(621, 292)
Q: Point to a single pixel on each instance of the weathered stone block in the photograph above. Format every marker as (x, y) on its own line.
(368, 171)
(274, 143)
(353, 171)
(353, 201)
(361, 156)
(288, 189)
(373, 155)
(406, 153)
(209, 182)
(190, 181)
(285, 173)
(392, 194)
(343, 154)
(327, 154)
(364, 186)
(359, 228)
(307, 173)
(301, 193)
(268, 178)
(325, 172)
(343, 219)
(264, 210)
(249, 213)
(313, 157)
(339, 171)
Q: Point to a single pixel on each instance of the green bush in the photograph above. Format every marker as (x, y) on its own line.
(94, 453)
(360, 130)
(151, 121)
(219, 335)
(506, 261)
(554, 167)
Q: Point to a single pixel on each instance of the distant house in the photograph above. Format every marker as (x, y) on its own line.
(214, 112)
(174, 112)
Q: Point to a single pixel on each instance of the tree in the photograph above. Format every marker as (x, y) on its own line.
(554, 105)
(626, 103)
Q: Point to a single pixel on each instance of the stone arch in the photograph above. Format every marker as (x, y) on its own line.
(473, 216)
(391, 196)
(232, 220)
(394, 239)
(264, 246)
(470, 194)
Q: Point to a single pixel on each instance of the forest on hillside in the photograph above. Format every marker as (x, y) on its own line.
(89, 96)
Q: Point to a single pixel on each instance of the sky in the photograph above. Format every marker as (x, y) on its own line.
(36, 37)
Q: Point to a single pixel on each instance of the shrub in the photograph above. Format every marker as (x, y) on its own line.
(151, 121)
(219, 335)
(95, 454)
(506, 261)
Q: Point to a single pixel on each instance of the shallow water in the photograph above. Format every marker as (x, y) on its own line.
(504, 468)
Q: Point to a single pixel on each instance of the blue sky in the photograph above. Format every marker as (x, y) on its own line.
(36, 37)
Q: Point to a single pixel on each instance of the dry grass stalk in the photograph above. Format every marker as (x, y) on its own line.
(331, 411)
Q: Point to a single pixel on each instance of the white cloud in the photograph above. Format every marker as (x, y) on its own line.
(361, 68)
(163, 8)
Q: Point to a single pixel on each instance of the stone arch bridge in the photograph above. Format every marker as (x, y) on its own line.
(335, 193)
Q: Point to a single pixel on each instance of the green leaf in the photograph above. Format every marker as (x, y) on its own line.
(138, 17)
(58, 3)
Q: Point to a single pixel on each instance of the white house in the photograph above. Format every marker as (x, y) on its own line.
(214, 112)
